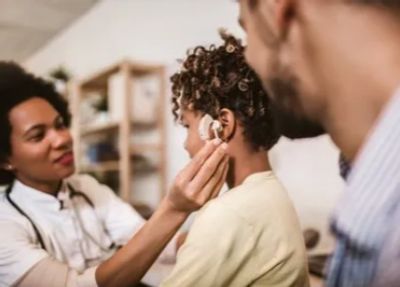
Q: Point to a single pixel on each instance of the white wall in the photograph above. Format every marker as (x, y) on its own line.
(309, 170)
(149, 30)
(161, 31)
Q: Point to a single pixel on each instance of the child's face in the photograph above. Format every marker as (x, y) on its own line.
(191, 120)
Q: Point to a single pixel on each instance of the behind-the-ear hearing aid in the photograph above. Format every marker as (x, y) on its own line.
(206, 124)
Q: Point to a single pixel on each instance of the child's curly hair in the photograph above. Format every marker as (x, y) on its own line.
(219, 77)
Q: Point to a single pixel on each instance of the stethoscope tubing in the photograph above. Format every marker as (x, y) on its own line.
(73, 193)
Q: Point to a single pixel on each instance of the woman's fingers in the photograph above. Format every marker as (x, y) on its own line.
(192, 169)
(221, 180)
(212, 187)
(196, 183)
(208, 169)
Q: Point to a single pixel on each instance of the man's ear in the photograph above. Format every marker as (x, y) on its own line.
(284, 13)
(273, 18)
(228, 121)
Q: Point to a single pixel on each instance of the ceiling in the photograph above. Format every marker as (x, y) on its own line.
(26, 25)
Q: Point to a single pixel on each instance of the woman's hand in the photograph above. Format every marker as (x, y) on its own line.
(201, 180)
(197, 183)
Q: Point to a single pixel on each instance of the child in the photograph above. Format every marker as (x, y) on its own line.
(250, 235)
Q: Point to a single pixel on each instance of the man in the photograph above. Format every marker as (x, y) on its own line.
(336, 63)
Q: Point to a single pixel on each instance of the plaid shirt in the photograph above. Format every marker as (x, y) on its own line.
(366, 222)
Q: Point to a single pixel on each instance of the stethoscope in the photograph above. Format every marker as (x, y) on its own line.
(73, 193)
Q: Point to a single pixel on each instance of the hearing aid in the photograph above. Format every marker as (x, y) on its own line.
(208, 127)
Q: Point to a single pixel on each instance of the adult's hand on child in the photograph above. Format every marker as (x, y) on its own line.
(200, 180)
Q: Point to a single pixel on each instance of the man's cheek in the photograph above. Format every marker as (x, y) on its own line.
(251, 59)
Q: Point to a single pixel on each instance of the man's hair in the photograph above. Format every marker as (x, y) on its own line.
(214, 78)
(17, 86)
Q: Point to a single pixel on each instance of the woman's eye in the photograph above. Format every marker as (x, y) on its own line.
(36, 137)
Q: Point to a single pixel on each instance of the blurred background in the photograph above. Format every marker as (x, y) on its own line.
(112, 60)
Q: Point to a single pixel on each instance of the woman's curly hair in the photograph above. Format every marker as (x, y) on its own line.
(218, 77)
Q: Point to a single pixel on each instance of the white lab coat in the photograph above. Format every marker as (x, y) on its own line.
(73, 231)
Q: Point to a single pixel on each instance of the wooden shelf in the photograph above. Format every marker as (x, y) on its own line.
(101, 167)
(111, 127)
(98, 81)
(142, 164)
(141, 148)
(129, 166)
(144, 125)
(94, 129)
(146, 169)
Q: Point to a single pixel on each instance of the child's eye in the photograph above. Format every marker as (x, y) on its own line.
(186, 126)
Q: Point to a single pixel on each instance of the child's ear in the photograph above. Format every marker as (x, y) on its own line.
(228, 122)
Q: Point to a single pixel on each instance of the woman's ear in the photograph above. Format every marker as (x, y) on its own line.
(6, 166)
(228, 122)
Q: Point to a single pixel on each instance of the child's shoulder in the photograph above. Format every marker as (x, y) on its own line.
(257, 189)
(256, 197)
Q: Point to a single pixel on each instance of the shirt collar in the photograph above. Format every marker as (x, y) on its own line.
(364, 209)
(344, 167)
(28, 196)
(258, 176)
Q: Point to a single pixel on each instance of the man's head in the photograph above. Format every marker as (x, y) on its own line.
(217, 81)
(295, 48)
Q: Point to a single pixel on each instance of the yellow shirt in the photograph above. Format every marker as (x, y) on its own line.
(249, 236)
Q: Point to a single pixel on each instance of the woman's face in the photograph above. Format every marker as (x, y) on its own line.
(41, 144)
(193, 142)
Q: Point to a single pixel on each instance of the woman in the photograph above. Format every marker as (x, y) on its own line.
(60, 229)
(250, 235)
